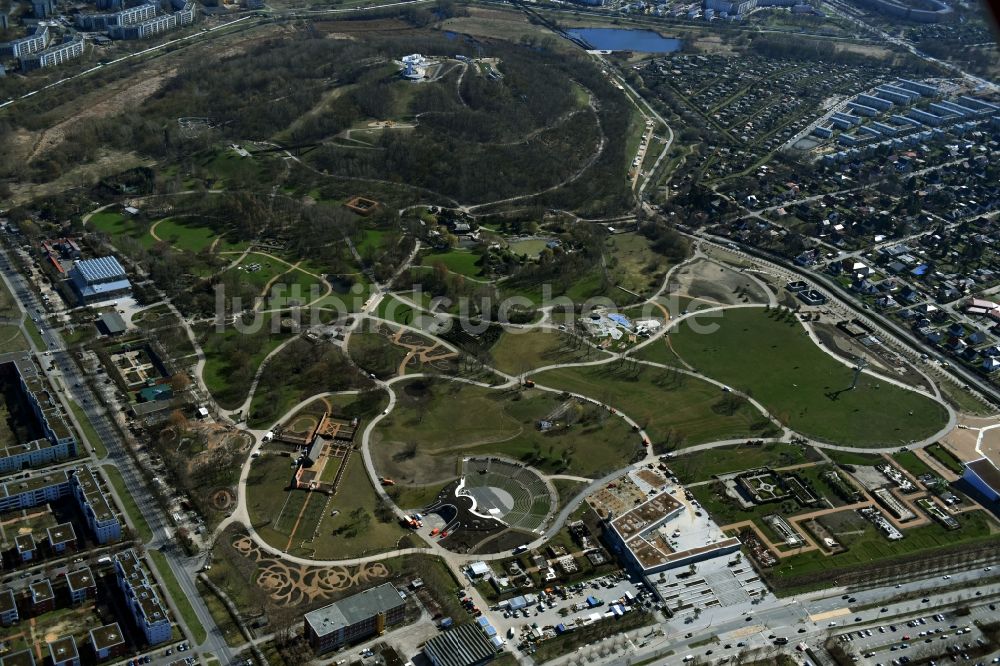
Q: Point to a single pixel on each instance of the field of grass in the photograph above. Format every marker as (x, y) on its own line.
(434, 424)
(462, 262)
(676, 410)
(945, 457)
(189, 236)
(89, 433)
(633, 265)
(414, 497)
(115, 224)
(752, 350)
(135, 519)
(354, 531)
(375, 353)
(529, 248)
(395, 310)
(198, 633)
(519, 351)
(703, 465)
(909, 461)
(11, 339)
(852, 458)
(962, 400)
(230, 350)
(223, 619)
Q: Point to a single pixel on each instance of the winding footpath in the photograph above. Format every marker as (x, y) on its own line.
(457, 561)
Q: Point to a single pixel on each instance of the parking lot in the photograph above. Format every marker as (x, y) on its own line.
(921, 637)
(606, 589)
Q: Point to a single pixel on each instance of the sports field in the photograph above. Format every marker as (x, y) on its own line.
(753, 350)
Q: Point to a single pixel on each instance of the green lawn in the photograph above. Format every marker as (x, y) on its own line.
(854, 458)
(11, 339)
(198, 633)
(675, 409)
(703, 465)
(355, 530)
(530, 248)
(371, 241)
(114, 224)
(752, 350)
(434, 425)
(137, 522)
(395, 310)
(909, 461)
(518, 351)
(230, 354)
(89, 433)
(462, 262)
(945, 457)
(186, 234)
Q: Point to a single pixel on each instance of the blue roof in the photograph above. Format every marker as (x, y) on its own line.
(483, 622)
(101, 269)
(920, 270)
(620, 319)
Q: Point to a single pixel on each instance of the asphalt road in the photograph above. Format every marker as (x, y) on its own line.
(75, 388)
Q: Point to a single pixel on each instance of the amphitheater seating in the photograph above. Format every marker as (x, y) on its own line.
(529, 492)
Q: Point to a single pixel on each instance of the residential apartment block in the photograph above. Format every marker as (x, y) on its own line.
(108, 641)
(147, 610)
(55, 439)
(8, 608)
(82, 585)
(26, 45)
(81, 483)
(55, 55)
(101, 518)
(63, 652)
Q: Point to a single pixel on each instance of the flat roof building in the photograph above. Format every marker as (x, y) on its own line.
(43, 599)
(22, 658)
(82, 585)
(984, 476)
(108, 641)
(147, 610)
(26, 546)
(63, 652)
(8, 608)
(358, 616)
(99, 279)
(111, 323)
(641, 537)
(464, 645)
(51, 438)
(94, 504)
(61, 537)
